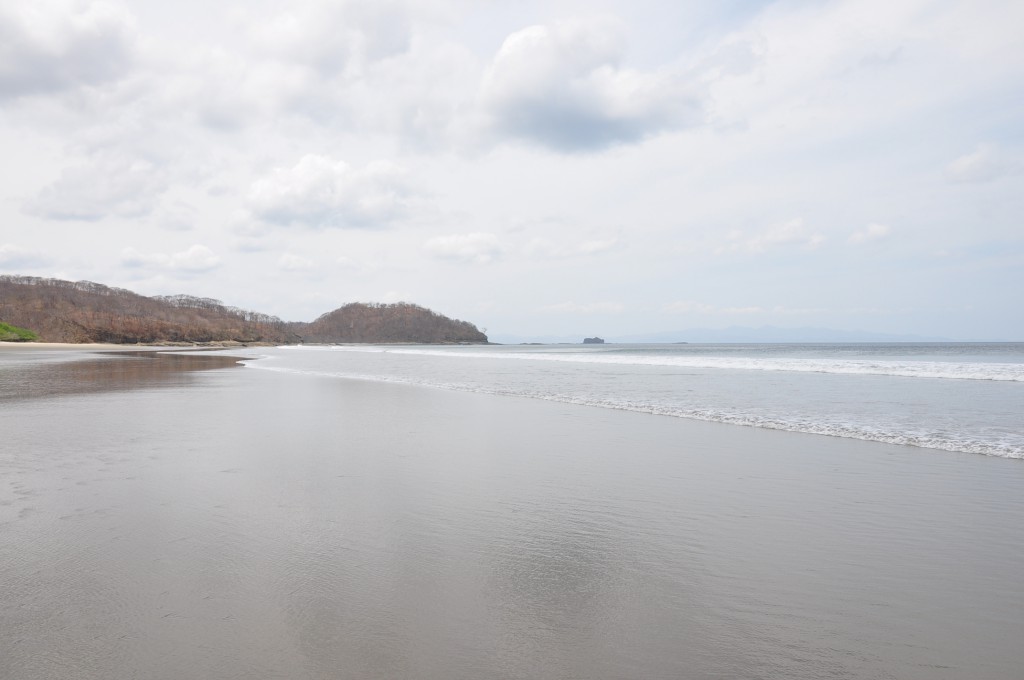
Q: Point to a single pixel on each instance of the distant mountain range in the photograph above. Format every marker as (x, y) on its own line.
(739, 334)
(83, 311)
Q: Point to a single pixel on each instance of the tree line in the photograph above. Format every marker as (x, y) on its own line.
(84, 311)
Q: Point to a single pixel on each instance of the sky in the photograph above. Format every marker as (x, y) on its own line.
(541, 169)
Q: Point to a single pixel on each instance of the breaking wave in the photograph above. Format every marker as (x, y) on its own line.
(948, 370)
(929, 440)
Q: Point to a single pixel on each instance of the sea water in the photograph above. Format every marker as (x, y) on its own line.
(966, 397)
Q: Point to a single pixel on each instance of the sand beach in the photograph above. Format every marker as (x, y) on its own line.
(242, 523)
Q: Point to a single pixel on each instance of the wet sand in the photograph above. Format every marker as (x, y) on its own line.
(108, 347)
(4, 346)
(242, 523)
(51, 371)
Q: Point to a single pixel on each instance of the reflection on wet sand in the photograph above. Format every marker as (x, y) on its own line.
(104, 372)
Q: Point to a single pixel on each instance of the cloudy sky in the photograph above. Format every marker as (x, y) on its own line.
(538, 168)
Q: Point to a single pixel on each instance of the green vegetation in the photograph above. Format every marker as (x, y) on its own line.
(9, 333)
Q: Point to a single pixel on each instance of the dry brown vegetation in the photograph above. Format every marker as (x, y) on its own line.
(82, 311)
(400, 322)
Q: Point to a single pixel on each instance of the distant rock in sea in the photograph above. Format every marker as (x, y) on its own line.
(593, 341)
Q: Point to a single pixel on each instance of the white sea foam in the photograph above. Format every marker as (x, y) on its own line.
(949, 370)
(929, 440)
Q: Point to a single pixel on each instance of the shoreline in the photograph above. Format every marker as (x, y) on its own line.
(219, 345)
(60, 345)
(133, 348)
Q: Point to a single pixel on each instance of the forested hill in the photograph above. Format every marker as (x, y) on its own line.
(401, 322)
(82, 311)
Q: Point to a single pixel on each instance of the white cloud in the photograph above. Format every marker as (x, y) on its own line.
(691, 307)
(16, 257)
(195, 259)
(563, 86)
(598, 246)
(347, 64)
(130, 257)
(290, 262)
(984, 164)
(335, 36)
(111, 184)
(477, 247)
(866, 69)
(688, 307)
(872, 232)
(178, 216)
(543, 248)
(361, 264)
(321, 193)
(586, 308)
(53, 45)
(246, 244)
(225, 90)
(792, 233)
(393, 296)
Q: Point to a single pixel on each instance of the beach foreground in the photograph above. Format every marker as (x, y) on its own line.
(243, 523)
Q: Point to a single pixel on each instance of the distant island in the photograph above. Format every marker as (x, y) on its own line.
(53, 310)
(593, 341)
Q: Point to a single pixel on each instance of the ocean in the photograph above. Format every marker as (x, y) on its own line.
(529, 512)
(966, 397)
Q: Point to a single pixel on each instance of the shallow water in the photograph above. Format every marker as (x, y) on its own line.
(965, 397)
(243, 523)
